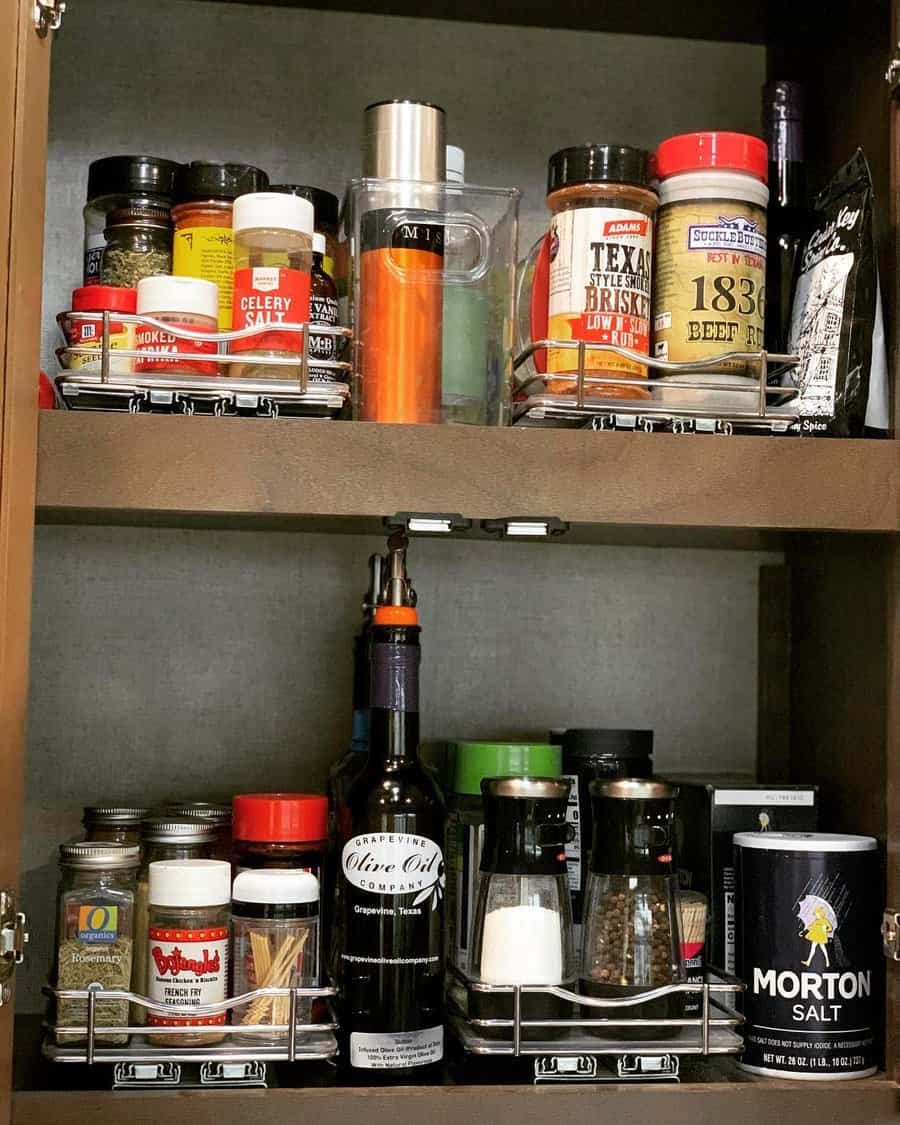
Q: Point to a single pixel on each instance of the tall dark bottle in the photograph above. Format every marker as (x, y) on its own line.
(392, 866)
(789, 216)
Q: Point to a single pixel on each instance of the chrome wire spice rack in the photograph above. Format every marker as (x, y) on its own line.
(675, 404)
(109, 385)
(712, 1032)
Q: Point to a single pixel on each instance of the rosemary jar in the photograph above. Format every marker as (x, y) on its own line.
(162, 838)
(113, 824)
(138, 244)
(95, 928)
(187, 959)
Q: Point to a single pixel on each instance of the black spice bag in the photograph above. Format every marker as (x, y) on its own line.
(836, 320)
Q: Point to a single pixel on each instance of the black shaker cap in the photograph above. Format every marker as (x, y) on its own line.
(211, 179)
(325, 205)
(599, 164)
(124, 175)
(525, 825)
(597, 742)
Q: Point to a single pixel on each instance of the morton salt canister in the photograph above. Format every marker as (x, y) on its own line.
(809, 950)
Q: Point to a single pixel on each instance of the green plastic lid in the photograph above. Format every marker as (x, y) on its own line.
(475, 760)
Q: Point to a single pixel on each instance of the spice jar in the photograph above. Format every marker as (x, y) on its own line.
(186, 303)
(203, 245)
(275, 917)
(631, 933)
(138, 244)
(326, 208)
(89, 333)
(95, 913)
(217, 813)
(272, 263)
(114, 824)
(523, 918)
(187, 963)
(709, 280)
(117, 182)
(600, 248)
(162, 838)
(280, 830)
(323, 309)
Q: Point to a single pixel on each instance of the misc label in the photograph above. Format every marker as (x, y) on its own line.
(709, 279)
(728, 914)
(395, 863)
(395, 677)
(270, 295)
(573, 846)
(762, 797)
(392, 1051)
(323, 310)
(816, 337)
(89, 334)
(187, 969)
(207, 253)
(93, 257)
(600, 261)
(156, 340)
(98, 925)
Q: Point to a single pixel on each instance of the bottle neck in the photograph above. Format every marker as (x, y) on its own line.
(787, 170)
(394, 695)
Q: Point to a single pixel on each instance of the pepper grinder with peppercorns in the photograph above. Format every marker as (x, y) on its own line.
(631, 930)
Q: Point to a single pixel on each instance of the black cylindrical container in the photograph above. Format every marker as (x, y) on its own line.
(590, 754)
(809, 951)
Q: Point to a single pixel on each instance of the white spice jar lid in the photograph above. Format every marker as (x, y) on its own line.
(274, 885)
(273, 210)
(163, 294)
(189, 882)
(318, 243)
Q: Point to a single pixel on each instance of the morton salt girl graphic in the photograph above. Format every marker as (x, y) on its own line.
(392, 867)
(819, 924)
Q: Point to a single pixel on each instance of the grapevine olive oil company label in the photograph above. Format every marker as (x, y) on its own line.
(808, 951)
(187, 969)
(709, 279)
(600, 288)
(394, 883)
(207, 253)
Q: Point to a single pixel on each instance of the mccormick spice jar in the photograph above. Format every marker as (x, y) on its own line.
(89, 333)
(187, 965)
(203, 245)
(809, 951)
(709, 280)
(113, 824)
(280, 830)
(600, 248)
(186, 303)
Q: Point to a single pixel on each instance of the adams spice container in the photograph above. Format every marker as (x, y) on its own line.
(601, 246)
(809, 950)
(710, 268)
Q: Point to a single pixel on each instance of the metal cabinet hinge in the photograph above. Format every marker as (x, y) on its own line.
(890, 934)
(13, 937)
(48, 16)
(892, 74)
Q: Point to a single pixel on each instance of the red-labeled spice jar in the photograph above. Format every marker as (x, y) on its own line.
(187, 303)
(280, 830)
(89, 333)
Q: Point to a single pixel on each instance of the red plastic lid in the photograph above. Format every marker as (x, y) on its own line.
(46, 393)
(100, 298)
(280, 818)
(724, 152)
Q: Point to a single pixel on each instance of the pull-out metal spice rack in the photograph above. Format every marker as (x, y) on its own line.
(138, 1062)
(711, 1032)
(673, 406)
(107, 387)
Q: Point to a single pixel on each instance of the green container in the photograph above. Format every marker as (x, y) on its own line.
(472, 761)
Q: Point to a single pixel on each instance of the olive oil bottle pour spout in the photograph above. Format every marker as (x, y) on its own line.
(397, 604)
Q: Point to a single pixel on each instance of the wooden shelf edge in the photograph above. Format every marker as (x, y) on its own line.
(154, 468)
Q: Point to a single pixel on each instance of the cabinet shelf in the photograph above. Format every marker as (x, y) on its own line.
(177, 471)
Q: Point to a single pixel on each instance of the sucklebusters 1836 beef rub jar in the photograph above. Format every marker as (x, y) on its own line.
(601, 245)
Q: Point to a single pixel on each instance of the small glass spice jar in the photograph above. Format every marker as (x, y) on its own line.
(162, 837)
(95, 927)
(113, 824)
(89, 333)
(600, 251)
(275, 917)
(203, 245)
(186, 303)
(326, 208)
(188, 938)
(138, 244)
(288, 830)
(217, 813)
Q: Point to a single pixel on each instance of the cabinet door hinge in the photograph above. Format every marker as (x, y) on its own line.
(48, 16)
(890, 934)
(13, 939)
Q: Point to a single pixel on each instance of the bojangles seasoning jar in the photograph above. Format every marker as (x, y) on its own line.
(601, 246)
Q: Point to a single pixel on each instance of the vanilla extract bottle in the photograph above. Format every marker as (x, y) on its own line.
(392, 866)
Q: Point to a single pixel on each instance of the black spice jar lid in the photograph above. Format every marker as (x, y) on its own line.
(599, 164)
(597, 742)
(124, 175)
(325, 205)
(210, 179)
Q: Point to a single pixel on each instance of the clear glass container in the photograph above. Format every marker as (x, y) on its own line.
(113, 824)
(631, 936)
(523, 917)
(218, 813)
(95, 928)
(138, 245)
